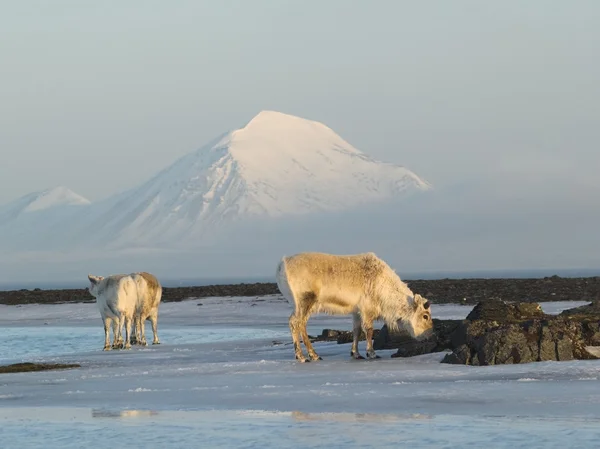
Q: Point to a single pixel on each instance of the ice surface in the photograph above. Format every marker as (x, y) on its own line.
(218, 380)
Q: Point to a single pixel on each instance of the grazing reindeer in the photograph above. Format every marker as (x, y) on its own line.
(360, 284)
(149, 295)
(116, 297)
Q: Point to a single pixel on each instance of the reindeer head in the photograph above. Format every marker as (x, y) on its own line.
(93, 287)
(420, 325)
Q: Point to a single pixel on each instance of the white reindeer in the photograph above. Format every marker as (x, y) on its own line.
(149, 297)
(360, 284)
(116, 297)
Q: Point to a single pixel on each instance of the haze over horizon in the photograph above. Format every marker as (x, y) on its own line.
(497, 105)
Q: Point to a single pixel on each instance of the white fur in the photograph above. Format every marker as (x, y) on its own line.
(149, 297)
(116, 297)
(360, 284)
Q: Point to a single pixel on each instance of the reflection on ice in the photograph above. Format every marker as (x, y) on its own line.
(102, 413)
(359, 417)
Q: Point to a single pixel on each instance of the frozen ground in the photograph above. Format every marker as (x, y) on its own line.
(217, 380)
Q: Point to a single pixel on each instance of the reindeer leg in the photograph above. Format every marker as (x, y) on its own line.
(368, 328)
(295, 331)
(356, 327)
(118, 338)
(154, 322)
(128, 324)
(116, 333)
(308, 306)
(107, 346)
(135, 330)
(309, 347)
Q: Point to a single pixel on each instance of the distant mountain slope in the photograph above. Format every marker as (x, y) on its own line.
(276, 166)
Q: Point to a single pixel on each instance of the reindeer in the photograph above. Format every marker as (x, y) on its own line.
(116, 297)
(359, 284)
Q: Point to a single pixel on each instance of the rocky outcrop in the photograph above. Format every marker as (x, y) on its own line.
(497, 333)
(409, 347)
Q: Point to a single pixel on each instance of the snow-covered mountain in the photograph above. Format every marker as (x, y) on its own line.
(47, 200)
(276, 166)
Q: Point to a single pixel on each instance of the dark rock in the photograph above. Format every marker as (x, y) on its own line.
(457, 357)
(417, 348)
(408, 347)
(589, 311)
(347, 337)
(590, 331)
(28, 367)
(588, 318)
(341, 337)
(497, 333)
(390, 340)
(330, 334)
(497, 310)
(443, 330)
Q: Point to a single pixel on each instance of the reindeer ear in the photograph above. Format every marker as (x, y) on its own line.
(420, 300)
(412, 300)
(93, 279)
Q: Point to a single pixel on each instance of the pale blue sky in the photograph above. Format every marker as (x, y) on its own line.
(482, 98)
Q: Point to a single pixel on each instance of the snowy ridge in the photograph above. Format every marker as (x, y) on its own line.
(57, 197)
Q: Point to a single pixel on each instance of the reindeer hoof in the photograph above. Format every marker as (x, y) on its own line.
(356, 356)
(107, 348)
(318, 357)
